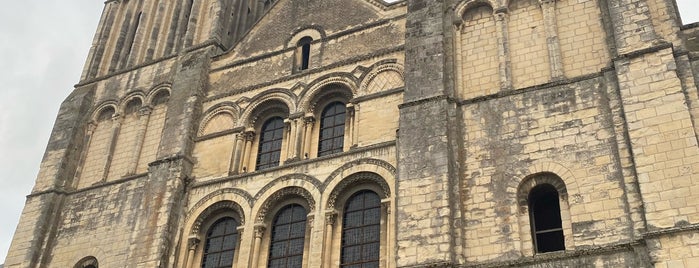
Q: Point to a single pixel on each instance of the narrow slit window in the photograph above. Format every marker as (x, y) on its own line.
(303, 53)
(545, 215)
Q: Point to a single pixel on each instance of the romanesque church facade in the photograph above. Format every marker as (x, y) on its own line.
(361, 133)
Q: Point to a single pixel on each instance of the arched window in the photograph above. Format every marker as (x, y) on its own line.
(545, 219)
(161, 97)
(361, 230)
(332, 129)
(303, 53)
(133, 106)
(287, 238)
(270, 149)
(106, 114)
(221, 243)
(87, 262)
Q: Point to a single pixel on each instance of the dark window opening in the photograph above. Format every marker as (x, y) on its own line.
(106, 114)
(361, 231)
(221, 243)
(303, 53)
(332, 129)
(161, 98)
(288, 235)
(270, 148)
(133, 106)
(545, 214)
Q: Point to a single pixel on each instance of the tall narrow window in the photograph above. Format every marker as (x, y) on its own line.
(288, 235)
(303, 53)
(332, 129)
(221, 243)
(361, 230)
(270, 149)
(545, 215)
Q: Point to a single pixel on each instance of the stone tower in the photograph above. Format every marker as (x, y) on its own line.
(361, 133)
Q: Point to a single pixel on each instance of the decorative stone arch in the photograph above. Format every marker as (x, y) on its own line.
(378, 166)
(464, 5)
(522, 202)
(222, 109)
(544, 167)
(378, 69)
(314, 31)
(85, 262)
(158, 92)
(132, 96)
(354, 177)
(212, 211)
(227, 202)
(358, 179)
(309, 98)
(264, 105)
(227, 194)
(280, 195)
(98, 114)
(534, 180)
(290, 179)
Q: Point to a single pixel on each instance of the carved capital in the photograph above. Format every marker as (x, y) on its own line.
(330, 217)
(145, 110)
(259, 230)
(193, 242)
(249, 135)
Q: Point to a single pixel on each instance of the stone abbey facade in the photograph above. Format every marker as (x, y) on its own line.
(360, 133)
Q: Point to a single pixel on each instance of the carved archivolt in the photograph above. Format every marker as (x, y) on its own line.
(213, 210)
(298, 176)
(337, 82)
(370, 161)
(357, 179)
(276, 102)
(283, 194)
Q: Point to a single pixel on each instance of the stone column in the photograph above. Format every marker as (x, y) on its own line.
(238, 147)
(83, 154)
(308, 122)
(330, 217)
(143, 117)
(248, 137)
(287, 141)
(116, 127)
(192, 245)
(504, 64)
(300, 129)
(259, 231)
(548, 7)
(352, 111)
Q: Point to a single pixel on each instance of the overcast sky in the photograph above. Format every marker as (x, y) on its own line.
(43, 45)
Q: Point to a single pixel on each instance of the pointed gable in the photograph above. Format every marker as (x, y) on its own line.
(286, 17)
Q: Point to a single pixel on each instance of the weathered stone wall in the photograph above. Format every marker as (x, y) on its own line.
(566, 130)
